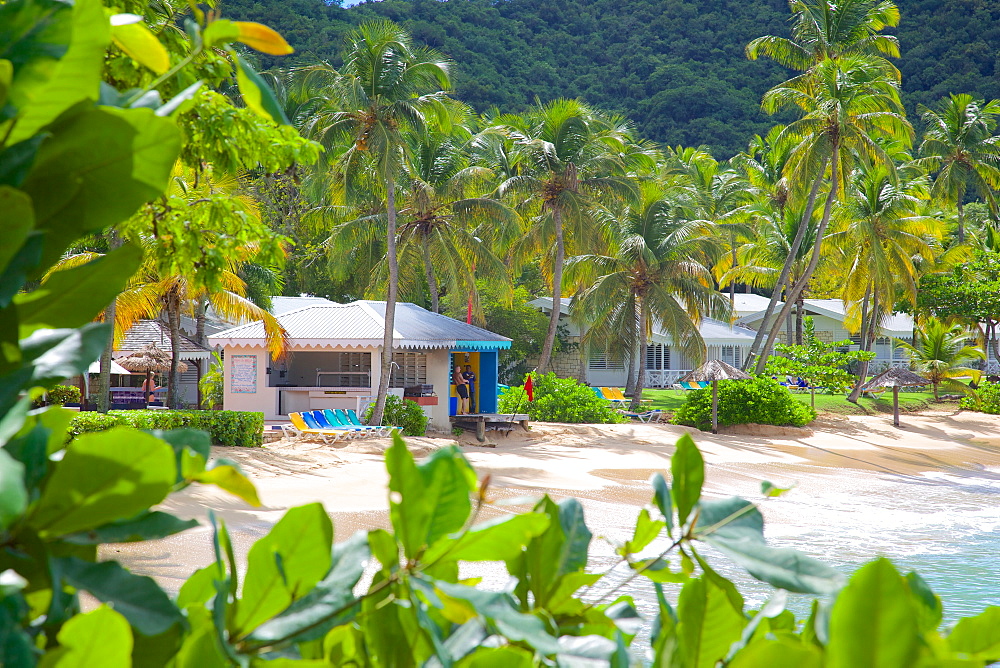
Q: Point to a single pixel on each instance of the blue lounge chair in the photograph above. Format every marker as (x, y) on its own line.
(383, 429)
(324, 421)
(338, 416)
(304, 425)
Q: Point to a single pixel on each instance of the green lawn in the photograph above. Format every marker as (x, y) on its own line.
(670, 400)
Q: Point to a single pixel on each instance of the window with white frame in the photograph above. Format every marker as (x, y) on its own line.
(732, 355)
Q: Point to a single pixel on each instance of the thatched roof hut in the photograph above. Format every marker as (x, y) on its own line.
(896, 377)
(713, 372)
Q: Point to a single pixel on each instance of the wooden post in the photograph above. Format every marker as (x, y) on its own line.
(895, 405)
(715, 407)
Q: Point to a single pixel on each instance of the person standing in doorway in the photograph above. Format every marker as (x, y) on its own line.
(461, 389)
(470, 378)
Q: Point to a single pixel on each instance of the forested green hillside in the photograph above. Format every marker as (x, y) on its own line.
(676, 67)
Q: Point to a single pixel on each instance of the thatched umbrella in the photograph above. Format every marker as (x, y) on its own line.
(714, 371)
(148, 359)
(896, 377)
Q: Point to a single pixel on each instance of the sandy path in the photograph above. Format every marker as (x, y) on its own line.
(606, 464)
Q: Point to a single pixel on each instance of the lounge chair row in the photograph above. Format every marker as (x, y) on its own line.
(693, 385)
(332, 426)
(614, 395)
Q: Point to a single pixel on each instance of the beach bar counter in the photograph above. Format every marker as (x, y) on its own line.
(335, 354)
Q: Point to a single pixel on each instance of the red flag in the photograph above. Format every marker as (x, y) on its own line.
(529, 389)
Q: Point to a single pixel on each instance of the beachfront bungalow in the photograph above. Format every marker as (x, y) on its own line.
(664, 363)
(828, 319)
(157, 333)
(335, 353)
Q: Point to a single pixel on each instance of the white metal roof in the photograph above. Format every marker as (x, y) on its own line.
(899, 325)
(714, 332)
(361, 324)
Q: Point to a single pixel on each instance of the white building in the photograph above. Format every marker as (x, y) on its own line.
(664, 362)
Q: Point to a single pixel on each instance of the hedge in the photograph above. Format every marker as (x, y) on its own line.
(759, 400)
(232, 428)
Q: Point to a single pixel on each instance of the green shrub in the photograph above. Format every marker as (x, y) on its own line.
(986, 399)
(760, 400)
(64, 394)
(212, 384)
(407, 415)
(560, 400)
(233, 428)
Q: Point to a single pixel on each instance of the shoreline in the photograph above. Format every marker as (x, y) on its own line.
(599, 464)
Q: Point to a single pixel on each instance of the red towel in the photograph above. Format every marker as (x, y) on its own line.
(529, 389)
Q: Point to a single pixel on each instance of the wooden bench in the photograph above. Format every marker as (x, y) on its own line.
(483, 422)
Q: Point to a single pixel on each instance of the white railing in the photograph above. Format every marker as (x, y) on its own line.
(664, 377)
(993, 367)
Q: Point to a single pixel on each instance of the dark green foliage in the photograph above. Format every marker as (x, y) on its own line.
(759, 400)
(231, 428)
(402, 413)
(675, 67)
(64, 394)
(560, 400)
(986, 399)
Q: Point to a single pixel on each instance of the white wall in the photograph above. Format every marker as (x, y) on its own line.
(264, 399)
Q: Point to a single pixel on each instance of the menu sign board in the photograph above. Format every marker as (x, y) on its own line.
(243, 374)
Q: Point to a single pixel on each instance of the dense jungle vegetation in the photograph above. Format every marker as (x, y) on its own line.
(675, 67)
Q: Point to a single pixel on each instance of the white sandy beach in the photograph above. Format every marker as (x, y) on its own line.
(607, 466)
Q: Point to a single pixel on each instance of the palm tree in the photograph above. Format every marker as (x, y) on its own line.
(882, 233)
(379, 95)
(848, 105)
(573, 158)
(960, 146)
(823, 31)
(939, 352)
(655, 275)
(446, 220)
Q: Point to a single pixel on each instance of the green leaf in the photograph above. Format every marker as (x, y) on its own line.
(770, 491)
(16, 219)
(105, 476)
(13, 495)
(96, 170)
(284, 565)
(220, 32)
(873, 623)
(430, 500)
(496, 540)
(13, 278)
(658, 570)
(707, 623)
(646, 531)
(736, 527)
(661, 496)
(135, 39)
(199, 588)
(77, 75)
(137, 597)
(200, 648)
(149, 525)
(978, 636)
(329, 604)
(928, 603)
(257, 94)
(56, 354)
(231, 480)
(99, 638)
(498, 657)
(74, 297)
(15, 162)
(687, 468)
(780, 653)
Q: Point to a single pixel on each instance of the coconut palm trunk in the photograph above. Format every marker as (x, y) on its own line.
(390, 303)
(431, 278)
(800, 285)
(174, 324)
(786, 269)
(866, 318)
(640, 382)
(104, 379)
(557, 271)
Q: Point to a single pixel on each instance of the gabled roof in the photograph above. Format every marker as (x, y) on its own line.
(747, 303)
(281, 305)
(714, 332)
(899, 325)
(156, 333)
(361, 324)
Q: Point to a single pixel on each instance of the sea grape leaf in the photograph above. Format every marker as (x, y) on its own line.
(73, 297)
(284, 565)
(231, 480)
(77, 75)
(55, 354)
(16, 219)
(265, 103)
(101, 637)
(149, 525)
(779, 653)
(928, 603)
(429, 500)
(708, 623)
(141, 45)
(13, 495)
(874, 623)
(329, 604)
(137, 597)
(262, 38)
(663, 500)
(199, 588)
(496, 540)
(105, 476)
(98, 167)
(687, 470)
(646, 531)
(979, 635)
